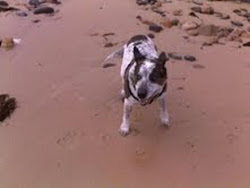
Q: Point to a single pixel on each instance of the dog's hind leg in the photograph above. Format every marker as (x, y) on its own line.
(125, 126)
(164, 112)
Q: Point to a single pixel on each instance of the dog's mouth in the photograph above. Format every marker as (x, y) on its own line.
(144, 102)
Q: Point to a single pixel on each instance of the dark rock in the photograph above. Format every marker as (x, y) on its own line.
(34, 3)
(4, 3)
(237, 23)
(53, 2)
(197, 2)
(151, 35)
(193, 15)
(207, 10)
(36, 21)
(107, 65)
(7, 106)
(5, 9)
(22, 14)
(175, 56)
(247, 44)
(196, 9)
(108, 45)
(44, 10)
(238, 12)
(189, 58)
(142, 2)
(156, 28)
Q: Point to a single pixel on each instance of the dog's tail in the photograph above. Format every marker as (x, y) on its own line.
(116, 54)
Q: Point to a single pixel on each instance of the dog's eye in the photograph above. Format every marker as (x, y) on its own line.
(138, 77)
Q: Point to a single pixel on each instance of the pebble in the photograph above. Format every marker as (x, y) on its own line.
(22, 14)
(237, 23)
(44, 10)
(156, 28)
(4, 3)
(107, 65)
(151, 35)
(189, 25)
(197, 2)
(196, 9)
(189, 58)
(175, 56)
(35, 3)
(247, 44)
(36, 21)
(7, 43)
(207, 10)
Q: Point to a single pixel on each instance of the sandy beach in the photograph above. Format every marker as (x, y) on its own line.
(64, 132)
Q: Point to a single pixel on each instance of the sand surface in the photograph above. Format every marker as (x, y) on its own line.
(65, 131)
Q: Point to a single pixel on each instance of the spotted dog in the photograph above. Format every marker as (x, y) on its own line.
(144, 77)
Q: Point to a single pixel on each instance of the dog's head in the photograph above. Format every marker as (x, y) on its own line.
(148, 77)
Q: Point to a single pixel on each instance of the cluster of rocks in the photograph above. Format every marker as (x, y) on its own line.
(242, 13)
(35, 6)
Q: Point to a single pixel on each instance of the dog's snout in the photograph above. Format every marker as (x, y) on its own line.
(142, 93)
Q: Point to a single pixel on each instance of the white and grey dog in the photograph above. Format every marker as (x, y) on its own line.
(144, 77)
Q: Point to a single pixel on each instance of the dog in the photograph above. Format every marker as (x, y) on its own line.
(144, 77)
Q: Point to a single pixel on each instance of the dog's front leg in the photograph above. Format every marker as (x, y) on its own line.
(164, 112)
(125, 126)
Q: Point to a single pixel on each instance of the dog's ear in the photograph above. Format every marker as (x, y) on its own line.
(138, 56)
(162, 58)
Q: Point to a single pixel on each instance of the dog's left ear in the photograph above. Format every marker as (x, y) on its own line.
(162, 58)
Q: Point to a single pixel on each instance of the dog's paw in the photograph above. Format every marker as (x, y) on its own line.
(124, 131)
(165, 122)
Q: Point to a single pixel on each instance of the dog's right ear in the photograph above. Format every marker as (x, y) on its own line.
(138, 56)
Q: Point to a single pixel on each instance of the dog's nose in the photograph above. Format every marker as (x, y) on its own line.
(142, 94)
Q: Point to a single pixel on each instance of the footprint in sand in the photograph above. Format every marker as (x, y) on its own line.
(69, 139)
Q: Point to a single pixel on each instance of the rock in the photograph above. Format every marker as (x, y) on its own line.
(142, 2)
(44, 10)
(22, 14)
(189, 58)
(107, 65)
(247, 44)
(53, 2)
(4, 3)
(193, 15)
(175, 22)
(167, 23)
(6, 8)
(237, 23)
(208, 30)
(156, 28)
(207, 10)
(198, 66)
(7, 106)
(238, 12)
(175, 56)
(196, 9)
(197, 2)
(189, 26)
(151, 35)
(224, 32)
(110, 44)
(177, 12)
(34, 3)
(36, 21)
(193, 32)
(225, 17)
(7, 43)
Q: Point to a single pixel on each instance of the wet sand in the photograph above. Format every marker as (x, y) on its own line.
(64, 132)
